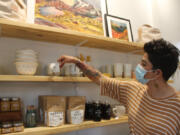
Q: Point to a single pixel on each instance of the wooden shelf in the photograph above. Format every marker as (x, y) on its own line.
(26, 78)
(69, 128)
(69, 37)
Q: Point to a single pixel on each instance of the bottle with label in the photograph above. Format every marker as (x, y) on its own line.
(87, 107)
(31, 116)
(107, 111)
(6, 128)
(97, 111)
(15, 104)
(90, 111)
(5, 104)
(18, 126)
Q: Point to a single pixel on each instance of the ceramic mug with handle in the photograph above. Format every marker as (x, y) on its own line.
(118, 111)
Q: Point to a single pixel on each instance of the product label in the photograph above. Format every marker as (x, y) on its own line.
(77, 116)
(55, 118)
(98, 113)
(18, 129)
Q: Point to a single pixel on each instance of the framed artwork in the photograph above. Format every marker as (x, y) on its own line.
(119, 28)
(80, 15)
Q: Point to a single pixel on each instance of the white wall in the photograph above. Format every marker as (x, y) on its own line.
(166, 17)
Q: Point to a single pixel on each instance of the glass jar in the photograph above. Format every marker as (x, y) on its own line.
(31, 116)
(107, 112)
(5, 104)
(15, 104)
(97, 111)
(90, 111)
(6, 128)
(18, 126)
(87, 107)
(103, 108)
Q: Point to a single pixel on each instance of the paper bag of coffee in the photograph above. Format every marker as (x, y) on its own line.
(52, 110)
(75, 109)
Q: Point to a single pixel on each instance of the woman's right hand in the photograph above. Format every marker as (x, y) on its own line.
(67, 59)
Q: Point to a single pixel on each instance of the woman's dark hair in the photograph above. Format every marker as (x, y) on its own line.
(163, 55)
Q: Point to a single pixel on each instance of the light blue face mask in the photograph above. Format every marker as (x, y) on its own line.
(140, 73)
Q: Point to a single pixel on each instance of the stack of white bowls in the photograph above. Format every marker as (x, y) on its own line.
(26, 62)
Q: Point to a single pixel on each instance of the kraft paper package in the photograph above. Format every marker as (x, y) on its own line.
(52, 110)
(75, 109)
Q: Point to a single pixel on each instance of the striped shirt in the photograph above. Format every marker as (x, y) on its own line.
(147, 116)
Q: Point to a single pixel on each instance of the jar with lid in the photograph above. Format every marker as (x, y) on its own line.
(31, 116)
(107, 111)
(97, 111)
(90, 110)
(15, 104)
(18, 126)
(5, 104)
(86, 111)
(6, 128)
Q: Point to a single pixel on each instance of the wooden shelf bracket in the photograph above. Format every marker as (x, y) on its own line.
(81, 43)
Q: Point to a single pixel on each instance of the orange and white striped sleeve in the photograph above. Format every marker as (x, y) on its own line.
(119, 90)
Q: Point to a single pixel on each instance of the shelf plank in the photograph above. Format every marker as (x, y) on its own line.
(69, 127)
(26, 78)
(69, 37)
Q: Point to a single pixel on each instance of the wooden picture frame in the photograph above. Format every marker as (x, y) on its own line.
(119, 28)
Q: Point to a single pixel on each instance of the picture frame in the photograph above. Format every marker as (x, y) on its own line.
(78, 15)
(119, 28)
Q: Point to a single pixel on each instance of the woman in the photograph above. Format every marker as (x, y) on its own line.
(152, 105)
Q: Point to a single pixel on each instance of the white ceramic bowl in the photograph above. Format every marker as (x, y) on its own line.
(18, 56)
(26, 68)
(26, 60)
(22, 53)
(29, 51)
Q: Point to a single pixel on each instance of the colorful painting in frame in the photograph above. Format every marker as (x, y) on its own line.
(80, 15)
(119, 28)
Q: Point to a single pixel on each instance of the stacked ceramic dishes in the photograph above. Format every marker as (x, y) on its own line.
(26, 62)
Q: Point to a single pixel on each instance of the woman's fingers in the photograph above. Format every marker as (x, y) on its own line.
(61, 59)
(65, 59)
(61, 65)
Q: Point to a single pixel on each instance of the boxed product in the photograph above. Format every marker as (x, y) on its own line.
(52, 110)
(75, 109)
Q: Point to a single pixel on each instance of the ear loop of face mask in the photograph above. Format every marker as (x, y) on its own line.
(151, 71)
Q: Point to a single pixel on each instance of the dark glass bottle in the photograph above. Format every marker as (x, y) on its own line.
(97, 112)
(107, 112)
(102, 110)
(91, 111)
(87, 107)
